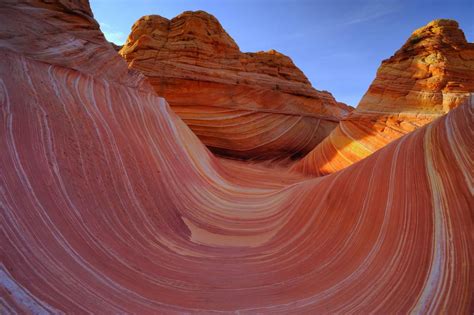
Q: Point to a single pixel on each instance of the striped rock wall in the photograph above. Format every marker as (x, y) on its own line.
(110, 204)
(256, 106)
(430, 75)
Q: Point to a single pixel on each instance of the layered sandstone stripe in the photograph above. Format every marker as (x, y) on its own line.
(431, 74)
(110, 204)
(245, 105)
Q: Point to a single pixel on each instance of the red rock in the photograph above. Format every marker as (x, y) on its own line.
(247, 105)
(71, 39)
(431, 74)
(110, 204)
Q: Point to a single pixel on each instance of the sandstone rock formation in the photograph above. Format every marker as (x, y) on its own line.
(431, 74)
(248, 105)
(110, 204)
(70, 38)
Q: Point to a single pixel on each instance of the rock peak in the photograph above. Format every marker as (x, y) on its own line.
(444, 23)
(204, 17)
(436, 33)
(201, 13)
(430, 75)
(152, 18)
(194, 63)
(432, 72)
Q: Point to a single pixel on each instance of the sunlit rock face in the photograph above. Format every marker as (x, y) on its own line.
(110, 204)
(246, 105)
(431, 74)
(67, 36)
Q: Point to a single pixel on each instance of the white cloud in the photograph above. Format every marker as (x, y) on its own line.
(104, 25)
(111, 35)
(372, 10)
(115, 37)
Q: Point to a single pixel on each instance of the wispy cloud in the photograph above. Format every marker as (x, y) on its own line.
(104, 25)
(116, 37)
(111, 35)
(372, 10)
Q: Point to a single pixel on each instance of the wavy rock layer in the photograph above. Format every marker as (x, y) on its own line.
(431, 74)
(111, 204)
(247, 105)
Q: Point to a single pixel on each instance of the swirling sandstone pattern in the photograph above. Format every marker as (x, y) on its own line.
(246, 105)
(109, 203)
(431, 74)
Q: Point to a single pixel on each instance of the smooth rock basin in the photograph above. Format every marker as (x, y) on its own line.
(109, 203)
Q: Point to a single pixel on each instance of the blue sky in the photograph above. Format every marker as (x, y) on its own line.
(338, 44)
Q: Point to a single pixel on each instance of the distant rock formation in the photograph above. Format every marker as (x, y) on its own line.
(110, 204)
(247, 105)
(432, 73)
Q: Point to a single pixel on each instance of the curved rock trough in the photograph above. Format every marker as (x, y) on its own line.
(110, 204)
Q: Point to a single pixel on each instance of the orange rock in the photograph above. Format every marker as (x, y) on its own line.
(62, 40)
(110, 204)
(248, 105)
(431, 74)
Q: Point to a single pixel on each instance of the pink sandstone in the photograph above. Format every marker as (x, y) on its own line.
(110, 204)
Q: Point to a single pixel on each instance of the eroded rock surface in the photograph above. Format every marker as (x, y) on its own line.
(110, 204)
(249, 105)
(431, 74)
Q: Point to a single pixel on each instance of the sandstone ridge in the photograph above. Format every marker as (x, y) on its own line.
(109, 203)
(250, 105)
(432, 73)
